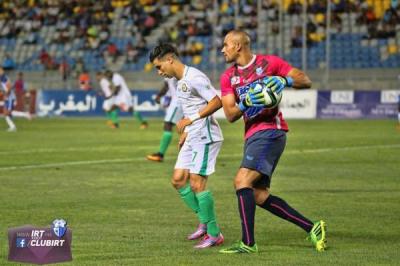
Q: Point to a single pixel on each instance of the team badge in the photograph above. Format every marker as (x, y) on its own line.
(59, 227)
(259, 71)
(235, 80)
(184, 87)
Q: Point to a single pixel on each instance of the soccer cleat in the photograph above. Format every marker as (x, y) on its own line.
(144, 125)
(210, 241)
(12, 129)
(156, 157)
(317, 235)
(200, 231)
(239, 247)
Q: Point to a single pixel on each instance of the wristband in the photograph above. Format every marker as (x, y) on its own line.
(194, 117)
(242, 106)
(289, 81)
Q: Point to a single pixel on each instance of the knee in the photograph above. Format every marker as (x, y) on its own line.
(241, 182)
(178, 181)
(260, 195)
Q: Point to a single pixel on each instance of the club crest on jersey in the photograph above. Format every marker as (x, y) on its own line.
(59, 227)
(235, 80)
(259, 71)
(184, 87)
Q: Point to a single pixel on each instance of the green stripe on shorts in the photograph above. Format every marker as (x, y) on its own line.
(204, 164)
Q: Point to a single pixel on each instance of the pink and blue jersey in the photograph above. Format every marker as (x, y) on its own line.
(236, 80)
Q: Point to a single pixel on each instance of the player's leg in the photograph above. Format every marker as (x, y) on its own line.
(8, 107)
(114, 116)
(252, 170)
(274, 145)
(111, 112)
(180, 181)
(172, 116)
(164, 143)
(203, 164)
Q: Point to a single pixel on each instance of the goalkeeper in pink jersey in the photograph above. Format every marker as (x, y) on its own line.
(265, 136)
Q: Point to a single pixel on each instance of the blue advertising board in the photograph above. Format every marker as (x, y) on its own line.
(81, 103)
(357, 104)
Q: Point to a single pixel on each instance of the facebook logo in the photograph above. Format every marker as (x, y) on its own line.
(21, 243)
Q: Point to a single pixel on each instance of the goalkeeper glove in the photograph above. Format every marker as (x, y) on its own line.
(254, 98)
(277, 83)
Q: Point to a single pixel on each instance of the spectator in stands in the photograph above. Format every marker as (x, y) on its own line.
(295, 7)
(9, 63)
(19, 84)
(64, 68)
(131, 53)
(78, 67)
(84, 81)
(112, 52)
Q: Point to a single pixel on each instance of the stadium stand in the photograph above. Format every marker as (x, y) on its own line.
(76, 36)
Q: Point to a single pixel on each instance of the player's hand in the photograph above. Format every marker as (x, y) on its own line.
(157, 99)
(182, 124)
(182, 139)
(277, 83)
(255, 96)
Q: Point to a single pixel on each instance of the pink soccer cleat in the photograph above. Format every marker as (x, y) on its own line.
(210, 241)
(200, 231)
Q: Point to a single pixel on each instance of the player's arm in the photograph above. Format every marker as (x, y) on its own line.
(231, 109)
(213, 105)
(162, 92)
(300, 79)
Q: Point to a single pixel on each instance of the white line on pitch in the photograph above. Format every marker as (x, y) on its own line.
(125, 160)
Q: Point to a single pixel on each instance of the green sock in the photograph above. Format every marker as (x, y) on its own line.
(138, 116)
(114, 116)
(206, 210)
(165, 141)
(190, 199)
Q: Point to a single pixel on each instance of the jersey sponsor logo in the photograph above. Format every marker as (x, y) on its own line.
(259, 71)
(235, 80)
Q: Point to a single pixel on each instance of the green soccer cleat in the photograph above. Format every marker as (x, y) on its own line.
(239, 247)
(317, 236)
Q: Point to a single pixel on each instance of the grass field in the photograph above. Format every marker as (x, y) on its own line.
(123, 211)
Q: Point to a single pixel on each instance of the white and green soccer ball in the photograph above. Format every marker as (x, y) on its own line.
(271, 98)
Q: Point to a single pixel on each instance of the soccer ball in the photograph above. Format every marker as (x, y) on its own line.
(271, 98)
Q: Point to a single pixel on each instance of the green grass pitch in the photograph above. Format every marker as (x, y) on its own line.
(123, 211)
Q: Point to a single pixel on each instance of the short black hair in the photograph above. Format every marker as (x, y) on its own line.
(162, 49)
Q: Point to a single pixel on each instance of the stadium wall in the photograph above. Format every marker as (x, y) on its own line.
(302, 104)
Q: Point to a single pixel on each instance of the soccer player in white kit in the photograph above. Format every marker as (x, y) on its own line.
(200, 140)
(108, 103)
(123, 97)
(9, 99)
(172, 115)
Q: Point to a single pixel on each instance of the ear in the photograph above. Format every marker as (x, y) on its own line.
(238, 46)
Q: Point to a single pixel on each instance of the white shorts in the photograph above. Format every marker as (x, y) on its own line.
(123, 101)
(173, 113)
(198, 158)
(108, 103)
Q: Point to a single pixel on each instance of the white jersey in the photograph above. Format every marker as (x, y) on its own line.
(4, 81)
(172, 84)
(105, 87)
(194, 91)
(118, 80)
